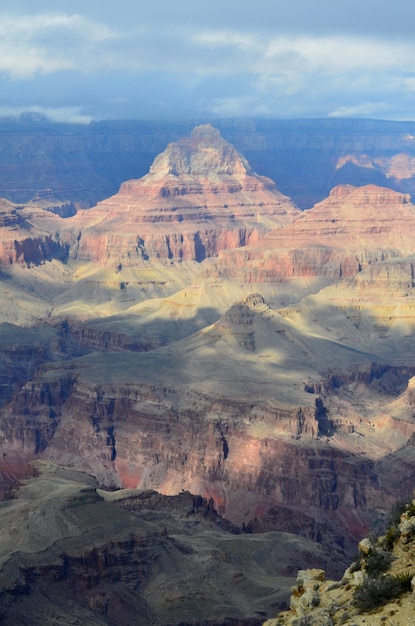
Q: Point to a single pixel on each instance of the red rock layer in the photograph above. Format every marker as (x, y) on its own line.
(352, 228)
(159, 437)
(200, 197)
(29, 235)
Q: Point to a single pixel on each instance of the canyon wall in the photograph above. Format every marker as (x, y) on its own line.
(87, 163)
(196, 331)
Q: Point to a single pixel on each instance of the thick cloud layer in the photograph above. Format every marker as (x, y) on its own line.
(94, 59)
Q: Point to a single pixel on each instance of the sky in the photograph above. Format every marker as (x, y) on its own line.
(86, 60)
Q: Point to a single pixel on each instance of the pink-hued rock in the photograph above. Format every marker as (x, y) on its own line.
(200, 197)
(337, 238)
(259, 407)
(23, 238)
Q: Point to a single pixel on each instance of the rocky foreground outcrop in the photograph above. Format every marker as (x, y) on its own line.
(378, 588)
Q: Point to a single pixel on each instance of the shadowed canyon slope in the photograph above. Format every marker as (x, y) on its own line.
(197, 332)
(87, 556)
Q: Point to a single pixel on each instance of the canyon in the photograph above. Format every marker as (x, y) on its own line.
(133, 556)
(197, 333)
(77, 165)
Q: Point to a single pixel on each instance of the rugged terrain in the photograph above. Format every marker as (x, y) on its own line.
(79, 165)
(378, 588)
(71, 553)
(200, 197)
(196, 331)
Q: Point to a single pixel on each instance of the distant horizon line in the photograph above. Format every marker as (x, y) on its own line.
(35, 118)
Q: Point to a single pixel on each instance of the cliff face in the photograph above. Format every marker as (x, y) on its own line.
(91, 556)
(85, 164)
(353, 228)
(199, 197)
(23, 240)
(274, 379)
(190, 416)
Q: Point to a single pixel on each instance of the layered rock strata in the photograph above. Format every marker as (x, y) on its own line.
(173, 421)
(86, 163)
(199, 197)
(267, 407)
(89, 556)
(24, 240)
(337, 238)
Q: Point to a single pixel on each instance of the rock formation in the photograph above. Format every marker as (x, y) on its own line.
(199, 197)
(190, 415)
(22, 238)
(84, 164)
(274, 378)
(335, 239)
(378, 588)
(90, 556)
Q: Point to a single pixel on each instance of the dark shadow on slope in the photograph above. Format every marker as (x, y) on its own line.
(336, 488)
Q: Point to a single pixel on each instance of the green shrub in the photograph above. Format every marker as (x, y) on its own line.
(375, 592)
(356, 564)
(398, 508)
(410, 509)
(395, 513)
(391, 536)
(404, 580)
(378, 561)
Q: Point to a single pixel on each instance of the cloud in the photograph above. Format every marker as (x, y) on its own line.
(242, 106)
(164, 59)
(47, 43)
(341, 53)
(364, 109)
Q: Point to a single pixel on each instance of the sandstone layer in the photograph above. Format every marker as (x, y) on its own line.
(275, 379)
(199, 197)
(22, 238)
(86, 163)
(254, 411)
(337, 238)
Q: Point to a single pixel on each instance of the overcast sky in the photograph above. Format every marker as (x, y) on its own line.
(138, 59)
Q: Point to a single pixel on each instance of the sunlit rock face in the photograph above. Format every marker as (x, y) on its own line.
(84, 164)
(199, 197)
(337, 238)
(24, 239)
(274, 378)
